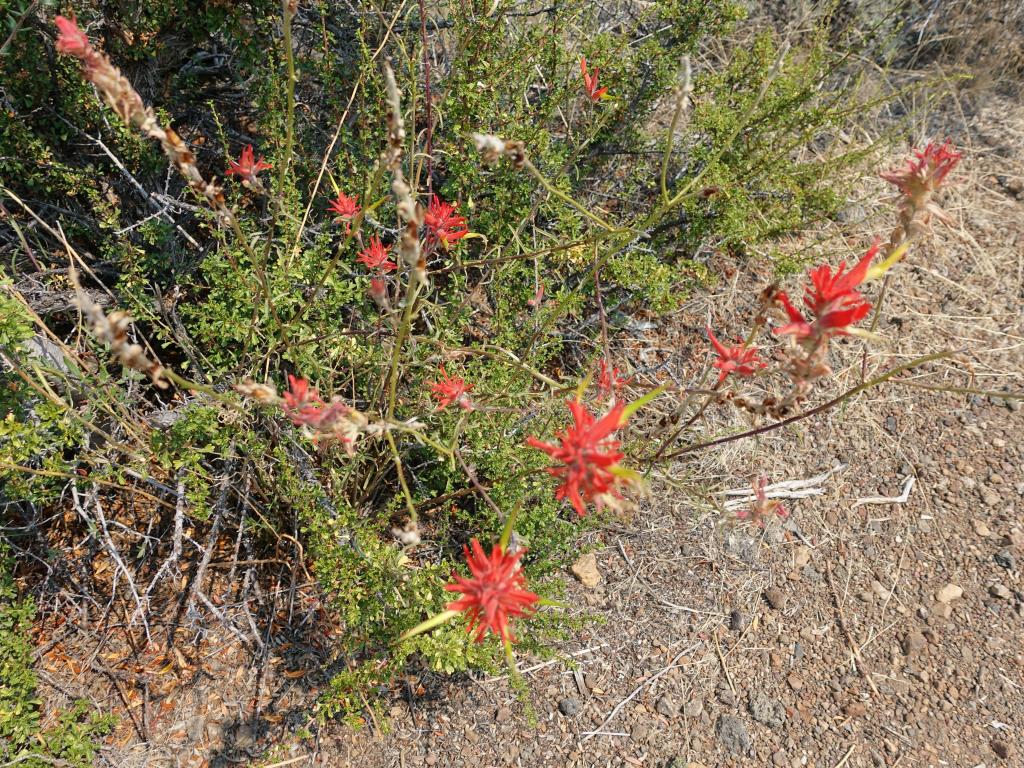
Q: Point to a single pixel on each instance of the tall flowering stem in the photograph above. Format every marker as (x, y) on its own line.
(288, 10)
(409, 250)
(918, 182)
(120, 96)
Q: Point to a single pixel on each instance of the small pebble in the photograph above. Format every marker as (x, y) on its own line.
(855, 709)
(1004, 558)
(914, 642)
(998, 590)
(667, 706)
(1001, 748)
(694, 707)
(949, 593)
(776, 598)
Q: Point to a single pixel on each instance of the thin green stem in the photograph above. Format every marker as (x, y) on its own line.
(506, 356)
(567, 199)
(259, 266)
(683, 97)
(397, 458)
(289, 127)
(411, 294)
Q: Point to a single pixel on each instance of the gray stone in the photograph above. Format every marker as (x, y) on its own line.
(1004, 558)
(569, 707)
(667, 706)
(766, 710)
(725, 695)
(694, 707)
(741, 547)
(732, 732)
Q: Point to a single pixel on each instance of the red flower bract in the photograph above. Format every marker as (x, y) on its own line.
(586, 455)
(451, 389)
(247, 166)
(738, 358)
(609, 382)
(443, 223)
(494, 592)
(71, 39)
(347, 209)
(927, 172)
(304, 406)
(833, 300)
(375, 256)
(762, 506)
(590, 82)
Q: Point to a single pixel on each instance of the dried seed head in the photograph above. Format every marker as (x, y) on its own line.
(490, 147)
(112, 330)
(261, 393)
(493, 149)
(119, 94)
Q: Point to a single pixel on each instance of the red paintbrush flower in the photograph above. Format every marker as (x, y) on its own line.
(537, 297)
(443, 223)
(302, 403)
(71, 39)
(763, 506)
(833, 300)
(739, 358)
(590, 82)
(379, 292)
(347, 209)
(247, 166)
(375, 256)
(609, 382)
(927, 172)
(494, 593)
(304, 406)
(587, 457)
(451, 389)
